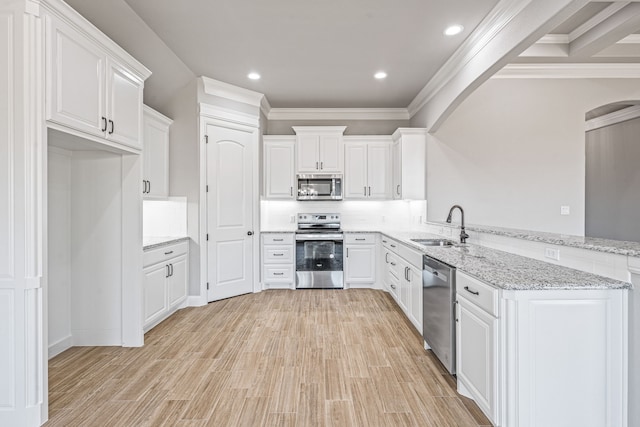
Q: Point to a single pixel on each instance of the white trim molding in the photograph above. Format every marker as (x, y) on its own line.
(338, 114)
(228, 115)
(569, 71)
(616, 117)
(231, 92)
(317, 130)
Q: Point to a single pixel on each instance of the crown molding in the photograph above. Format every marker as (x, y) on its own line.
(619, 116)
(338, 114)
(500, 17)
(569, 71)
(265, 107)
(231, 92)
(228, 115)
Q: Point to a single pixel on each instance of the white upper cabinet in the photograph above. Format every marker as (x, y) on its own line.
(89, 87)
(155, 173)
(319, 149)
(368, 167)
(409, 164)
(279, 167)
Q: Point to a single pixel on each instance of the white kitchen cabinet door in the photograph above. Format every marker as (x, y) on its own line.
(178, 280)
(155, 292)
(355, 168)
(414, 276)
(404, 293)
(476, 354)
(155, 154)
(124, 105)
(330, 153)
(379, 171)
(308, 155)
(279, 167)
(410, 160)
(396, 166)
(360, 264)
(75, 79)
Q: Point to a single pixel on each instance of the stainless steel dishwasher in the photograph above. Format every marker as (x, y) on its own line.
(438, 316)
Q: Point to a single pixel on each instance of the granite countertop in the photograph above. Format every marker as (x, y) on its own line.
(619, 247)
(157, 242)
(506, 270)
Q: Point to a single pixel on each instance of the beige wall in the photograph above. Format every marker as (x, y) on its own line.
(514, 152)
(354, 127)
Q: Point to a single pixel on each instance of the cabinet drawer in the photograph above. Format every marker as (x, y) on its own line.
(272, 254)
(360, 239)
(481, 294)
(277, 273)
(410, 255)
(154, 256)
(278, 239)
(393, 264)
(390, 244)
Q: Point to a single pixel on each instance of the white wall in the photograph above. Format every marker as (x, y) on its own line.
(514, 152)
(59, 250)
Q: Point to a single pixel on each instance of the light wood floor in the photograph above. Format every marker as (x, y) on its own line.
(276, 358)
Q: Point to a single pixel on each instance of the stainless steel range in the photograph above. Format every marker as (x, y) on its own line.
(319, 251)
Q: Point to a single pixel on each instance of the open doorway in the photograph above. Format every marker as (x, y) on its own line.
(612, 155)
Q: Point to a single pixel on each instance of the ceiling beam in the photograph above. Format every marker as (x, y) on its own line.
(612, 29)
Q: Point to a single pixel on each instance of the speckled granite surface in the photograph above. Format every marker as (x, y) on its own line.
(506, 270)
(158, 242)
(619, 247)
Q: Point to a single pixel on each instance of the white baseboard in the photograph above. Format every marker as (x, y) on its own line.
(105, 337)
(59, 346)
(196, 301)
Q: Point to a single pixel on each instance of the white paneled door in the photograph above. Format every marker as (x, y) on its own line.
(230, 195)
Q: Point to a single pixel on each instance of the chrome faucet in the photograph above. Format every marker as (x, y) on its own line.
(463, 234)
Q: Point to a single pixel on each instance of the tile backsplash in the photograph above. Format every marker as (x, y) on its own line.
(396, 214)
(165, 218)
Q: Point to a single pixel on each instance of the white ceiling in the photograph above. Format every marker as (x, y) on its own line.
(315, 53)
(324, 53)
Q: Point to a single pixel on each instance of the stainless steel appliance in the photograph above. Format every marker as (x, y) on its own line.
(438, 310)
(319, 251)
(319, 187)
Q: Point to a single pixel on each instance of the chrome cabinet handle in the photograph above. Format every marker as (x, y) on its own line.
(360, 240)
(291, 191)
(278, 254)
(171, 269)
(392, 245)
(466, 288)
(408, 275)
(369, 191)
(167, 267)
(149, 190)
(393, 286)
(249, 233)
(347, 252)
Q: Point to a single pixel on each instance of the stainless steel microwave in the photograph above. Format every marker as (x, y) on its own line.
(319, 187)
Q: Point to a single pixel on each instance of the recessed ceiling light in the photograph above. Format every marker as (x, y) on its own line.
(380, 75)
(453, 30)
(254, 76)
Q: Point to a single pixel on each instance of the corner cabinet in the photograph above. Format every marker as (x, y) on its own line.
(533, 358)
(165, 278)
(319, 149)
(279, 167)
(409, 159)
(367, 173)
(155, 154)
(89, 88)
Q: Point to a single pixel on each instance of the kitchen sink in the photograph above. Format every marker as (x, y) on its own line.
(434, 242)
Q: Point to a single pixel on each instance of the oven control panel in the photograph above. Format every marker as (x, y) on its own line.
(311, 218)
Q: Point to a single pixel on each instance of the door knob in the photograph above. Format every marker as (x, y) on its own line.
(249, 233)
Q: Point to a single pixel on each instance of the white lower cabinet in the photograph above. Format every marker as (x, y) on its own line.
(165, 279)
(543, 358)
(476, 345)
(360, 260)
(402, 277)
(278, 258)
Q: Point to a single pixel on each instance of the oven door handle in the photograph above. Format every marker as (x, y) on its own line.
(318, 237)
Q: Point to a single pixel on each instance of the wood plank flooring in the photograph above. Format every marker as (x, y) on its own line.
(276, 358)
